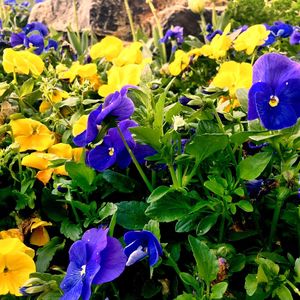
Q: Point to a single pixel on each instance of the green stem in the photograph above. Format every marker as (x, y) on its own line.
(137, 165)
(188, 178)
(295, 289)
(160, 30)
(222, 225)
(129, 15)
(274, 223)
(173, 175)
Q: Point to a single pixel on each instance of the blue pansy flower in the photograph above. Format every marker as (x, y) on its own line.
(17, 39)
(95, 259)
(211, 35)
(36, 26)
(112, 150)
(36, 41)
(51, 44)
(173, 33)
(278, 29)
(10, 2)
(275, 93)
(116, 105)
(141, 244)
(295, 36)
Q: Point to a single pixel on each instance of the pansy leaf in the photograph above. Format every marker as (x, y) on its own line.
(218, 290)
(202, 146)
(147, 136)
(253, 166)
(70, 230)
(171, 207)
(46, 253)
(130, 214)
(81, 174)
(207, 263)
(120, 182)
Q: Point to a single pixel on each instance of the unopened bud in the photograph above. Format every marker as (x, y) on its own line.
(196, 6)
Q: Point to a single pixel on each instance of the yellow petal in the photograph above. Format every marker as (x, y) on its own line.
(87, 70)
(36, 160)
(44, 106)
(14, 244)
(39, 237)
(109, 47)
(77, 154)
(35, 63)
(44, 176)
(35, 142)
(61, 150)
(12, 233)
(80, 125)
(18, 267)
(129, 55)
(37, 222)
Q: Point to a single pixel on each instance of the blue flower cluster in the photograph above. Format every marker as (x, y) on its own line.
(117, 107)
(97, 258)
(33, 35)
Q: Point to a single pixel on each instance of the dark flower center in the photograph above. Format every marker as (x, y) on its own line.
(274, 101)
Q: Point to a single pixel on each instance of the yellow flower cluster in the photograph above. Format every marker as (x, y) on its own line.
(217, 49)
(22, 62)
(127, 63)
(42, 160)
(16, 264)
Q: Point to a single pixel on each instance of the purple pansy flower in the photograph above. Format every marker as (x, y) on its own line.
(10, 2)
(295, 37)
(112, 150)
(141, 244)
(173, 33)
(51, 44)
(278, 29)
(116, 105)
(95, 259)
(17, 39)
(275, 93)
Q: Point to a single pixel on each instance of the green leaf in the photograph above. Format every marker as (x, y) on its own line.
(185, 296)
(218, 290)
(81, 174)
(245, 205)
(27, 87)
(237, 263)
(202, 146)
(131, 214)
(207, 263)
(120, 182)
(207, 223)
(297, 269)
(251, 284)
(70, 230)
(283, 293)
(158, 193)
(108, 210)
(46, 253)
(147, 136)
(159, 113)
(253, 166)
(170, 207)
(241, 137)
(187, 223)
(74, 40)
(189, 280)
(214, 187)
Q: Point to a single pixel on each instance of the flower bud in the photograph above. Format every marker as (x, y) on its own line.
(196, 6)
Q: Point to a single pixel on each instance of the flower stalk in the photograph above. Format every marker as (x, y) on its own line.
(130, 18)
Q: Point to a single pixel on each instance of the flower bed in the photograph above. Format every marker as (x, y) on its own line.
(163, 168)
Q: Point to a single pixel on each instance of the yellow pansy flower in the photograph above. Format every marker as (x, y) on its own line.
(219, 45)
(80, 125)
(42, 161)
(233, 75)
(131, 54)
(16, 264)
(31, 135)
(248, 40)
(180, 62)
(39, 234)
(56, 96)
(22, 62)
(117, 77)
(109, 48)
(12, 233)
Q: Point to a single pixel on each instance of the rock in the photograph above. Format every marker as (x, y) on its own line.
(107, 17)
